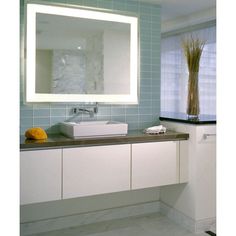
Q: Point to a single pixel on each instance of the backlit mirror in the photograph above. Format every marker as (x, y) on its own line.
(80, 55)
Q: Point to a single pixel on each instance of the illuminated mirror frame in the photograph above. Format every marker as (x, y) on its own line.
(32, 96)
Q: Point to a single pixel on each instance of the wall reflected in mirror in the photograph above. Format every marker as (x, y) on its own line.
(81, 56)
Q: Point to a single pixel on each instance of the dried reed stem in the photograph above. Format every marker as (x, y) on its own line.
(193, 50)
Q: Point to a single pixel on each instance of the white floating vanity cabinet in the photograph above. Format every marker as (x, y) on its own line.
(64, 173)
(40, 176)
(95, 170)
(155, 164)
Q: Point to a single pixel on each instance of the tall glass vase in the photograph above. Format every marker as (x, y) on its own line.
(193, 109)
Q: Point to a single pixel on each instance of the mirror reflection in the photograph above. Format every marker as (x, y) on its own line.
(81, 56)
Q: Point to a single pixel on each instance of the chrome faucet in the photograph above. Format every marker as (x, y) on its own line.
(91, 112)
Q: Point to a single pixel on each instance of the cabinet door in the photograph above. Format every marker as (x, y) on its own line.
(95, 170)
(40, 176)
(155, 164)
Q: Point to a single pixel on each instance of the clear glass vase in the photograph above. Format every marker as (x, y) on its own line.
(193, 109)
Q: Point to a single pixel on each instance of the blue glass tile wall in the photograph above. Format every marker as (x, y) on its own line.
(140, 116)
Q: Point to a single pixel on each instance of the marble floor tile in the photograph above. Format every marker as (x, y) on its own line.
(147, 225)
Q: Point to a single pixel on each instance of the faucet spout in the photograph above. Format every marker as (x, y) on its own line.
(84, 110)
(95, 109)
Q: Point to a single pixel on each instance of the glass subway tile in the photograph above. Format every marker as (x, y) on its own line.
(133, 126)
(144, 6)
(26, 121)
(145, 96)
(132, 118)
(118, 118)
(120, 6)
(104, 117)
(26, 113)
(132, 111)
(144, 68)
(132, 7)
(146, 110)
(118, 111)
(145, 82)
(146, 89)
(58, 112)
(42, 121)
(105, 4)
(41, 112)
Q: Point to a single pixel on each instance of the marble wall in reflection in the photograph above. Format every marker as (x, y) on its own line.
(64, 71)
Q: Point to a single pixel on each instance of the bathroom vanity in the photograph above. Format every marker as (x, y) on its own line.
(63, 168)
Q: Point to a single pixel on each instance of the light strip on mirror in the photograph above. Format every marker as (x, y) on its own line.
(86, 98)
(79, 13)
(30, 52)
(134, 57)
(32, 96)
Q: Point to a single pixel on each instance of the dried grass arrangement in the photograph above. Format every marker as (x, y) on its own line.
(193, 48)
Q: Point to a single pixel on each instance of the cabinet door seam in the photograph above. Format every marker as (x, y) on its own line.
(62, 173)
(179, 166)
(131, 157)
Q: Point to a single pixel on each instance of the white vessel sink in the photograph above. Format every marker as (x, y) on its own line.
(89, 129)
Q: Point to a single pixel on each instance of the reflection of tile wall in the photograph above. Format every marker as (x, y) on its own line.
(139, 116)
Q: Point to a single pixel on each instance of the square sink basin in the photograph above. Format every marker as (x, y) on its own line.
(90, 129)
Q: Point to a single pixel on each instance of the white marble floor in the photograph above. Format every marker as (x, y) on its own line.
(148, 225)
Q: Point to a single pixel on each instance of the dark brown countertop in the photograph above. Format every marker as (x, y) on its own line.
(60, 141)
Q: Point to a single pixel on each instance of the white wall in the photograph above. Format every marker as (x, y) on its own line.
(44, 71)
(116, 62)
(188, 20)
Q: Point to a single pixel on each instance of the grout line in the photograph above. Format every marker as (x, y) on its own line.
(62, 174)
(33, 116)
(50, 117)
(131, 146)
(179, 146)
